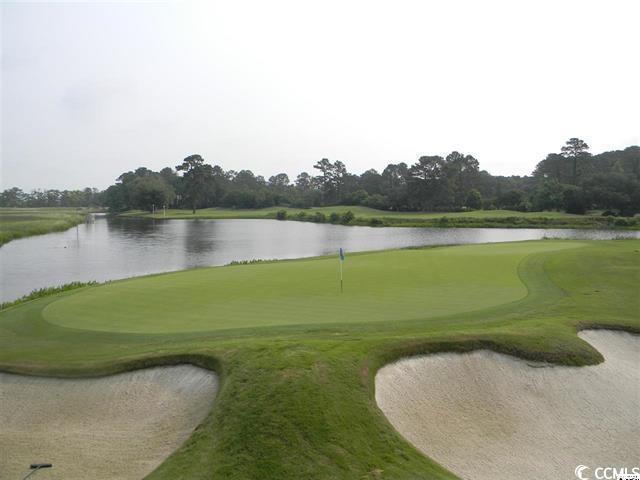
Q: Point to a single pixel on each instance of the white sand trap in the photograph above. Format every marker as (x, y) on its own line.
(117, 427)
(487, 416)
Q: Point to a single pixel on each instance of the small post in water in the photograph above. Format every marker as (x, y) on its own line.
(341, 254)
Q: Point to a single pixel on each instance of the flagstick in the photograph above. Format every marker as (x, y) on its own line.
(341, 289)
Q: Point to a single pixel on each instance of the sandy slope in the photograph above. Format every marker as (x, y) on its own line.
(487, 416)
(121, 426)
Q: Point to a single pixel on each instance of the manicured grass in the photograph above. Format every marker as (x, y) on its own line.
(25, 222)
(297, 395)
(388, 286)
(370, 216)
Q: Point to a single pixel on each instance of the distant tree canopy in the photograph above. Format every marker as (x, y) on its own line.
(577, 181)
(572, 180)
(15, 197)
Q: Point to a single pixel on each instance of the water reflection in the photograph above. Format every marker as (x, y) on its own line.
(199, 238)
(119, 248)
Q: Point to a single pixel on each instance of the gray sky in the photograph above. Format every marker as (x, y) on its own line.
(92, 90)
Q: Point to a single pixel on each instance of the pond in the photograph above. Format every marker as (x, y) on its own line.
(113, 248)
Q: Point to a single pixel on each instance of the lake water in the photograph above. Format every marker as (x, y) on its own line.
(113, 248)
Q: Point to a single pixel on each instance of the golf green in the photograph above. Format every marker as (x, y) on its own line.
(383, 286)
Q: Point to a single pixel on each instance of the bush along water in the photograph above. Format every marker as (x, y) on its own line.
(45, 292)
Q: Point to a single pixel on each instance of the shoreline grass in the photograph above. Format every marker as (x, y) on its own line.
(364, 216)
(18, 223)
(296, 399)
(45, 292)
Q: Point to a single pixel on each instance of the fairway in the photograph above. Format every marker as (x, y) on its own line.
(385, 286)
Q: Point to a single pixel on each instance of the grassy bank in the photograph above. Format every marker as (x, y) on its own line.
(296, 358)
(371, 217)
(25, 222)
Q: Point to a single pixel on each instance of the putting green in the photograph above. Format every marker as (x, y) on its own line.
(383, 286)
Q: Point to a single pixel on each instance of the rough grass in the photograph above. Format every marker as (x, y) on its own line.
(296, 399)
(379, 218)
(25, 222)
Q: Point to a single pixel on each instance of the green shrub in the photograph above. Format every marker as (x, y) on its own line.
(45, 292)
(248, 262)
(334, 217)
(281, 215)
(301, 215)
(375, 222)
(347, 217)
(319, 217)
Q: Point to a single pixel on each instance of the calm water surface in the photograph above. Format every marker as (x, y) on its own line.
(117, 248)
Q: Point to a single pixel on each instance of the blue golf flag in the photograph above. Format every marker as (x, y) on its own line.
(341, 255)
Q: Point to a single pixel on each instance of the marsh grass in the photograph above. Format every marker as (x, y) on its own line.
(253, 261)
(45, 292)
(25, 222)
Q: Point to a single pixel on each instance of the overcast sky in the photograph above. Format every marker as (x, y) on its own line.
(92, 90)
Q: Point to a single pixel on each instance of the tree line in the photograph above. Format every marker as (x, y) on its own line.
(572, 180)
(15, 197)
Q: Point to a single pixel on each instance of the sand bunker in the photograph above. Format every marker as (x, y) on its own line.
(121, 426)
(487, 416)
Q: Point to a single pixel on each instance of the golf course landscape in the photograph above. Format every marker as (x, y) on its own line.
(296, 359)
(319, 241)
